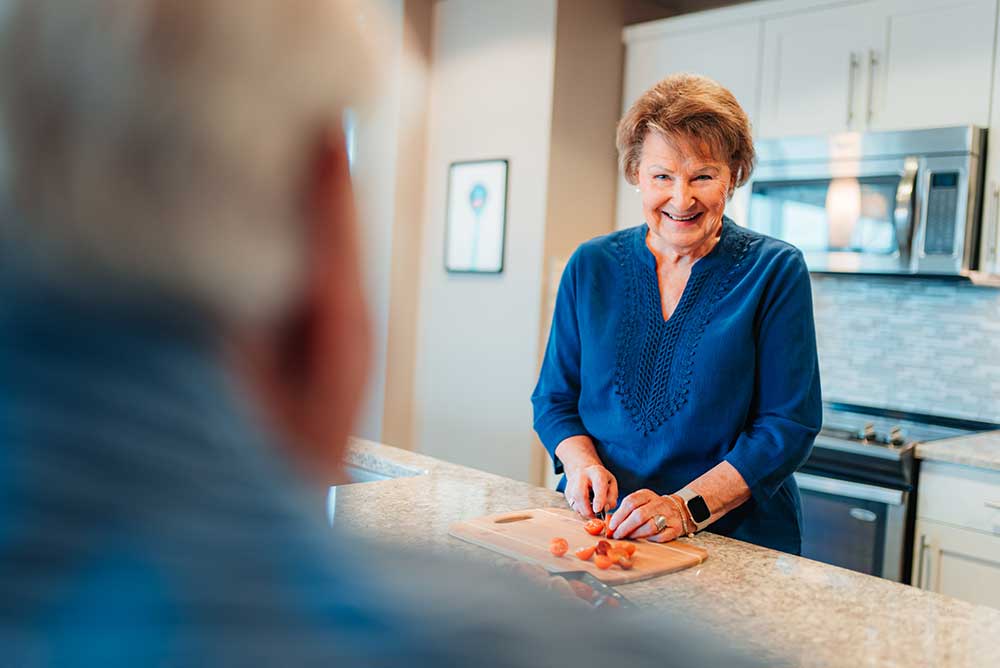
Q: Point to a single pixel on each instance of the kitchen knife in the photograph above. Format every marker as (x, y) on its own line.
(603, 593)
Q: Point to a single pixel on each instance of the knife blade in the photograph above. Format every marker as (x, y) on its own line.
(602, 592)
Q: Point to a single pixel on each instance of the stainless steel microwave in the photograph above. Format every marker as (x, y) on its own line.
(904, 202)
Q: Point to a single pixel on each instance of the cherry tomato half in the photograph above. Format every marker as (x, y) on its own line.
(558, 546)
(603, 561)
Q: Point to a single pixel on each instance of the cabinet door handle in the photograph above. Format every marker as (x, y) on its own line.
(872, 62)
(920, 562)
(851, 76)
(992, 222)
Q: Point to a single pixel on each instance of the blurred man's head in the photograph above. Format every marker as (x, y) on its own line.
(193, 150)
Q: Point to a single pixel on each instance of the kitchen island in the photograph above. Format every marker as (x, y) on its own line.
(791, 608)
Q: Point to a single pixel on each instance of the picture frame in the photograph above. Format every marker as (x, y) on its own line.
(476, 216)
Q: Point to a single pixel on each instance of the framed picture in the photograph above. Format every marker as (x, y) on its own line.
(476, 217)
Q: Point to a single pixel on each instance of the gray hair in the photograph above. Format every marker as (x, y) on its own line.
(163, 144)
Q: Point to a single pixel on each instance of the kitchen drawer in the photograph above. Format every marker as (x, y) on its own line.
(960, 495)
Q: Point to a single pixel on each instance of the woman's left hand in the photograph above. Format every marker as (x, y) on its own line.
(636, 517)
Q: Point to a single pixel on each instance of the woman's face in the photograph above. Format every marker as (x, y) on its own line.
(683, 193)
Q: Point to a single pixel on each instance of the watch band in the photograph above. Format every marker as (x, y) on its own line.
(697, 508)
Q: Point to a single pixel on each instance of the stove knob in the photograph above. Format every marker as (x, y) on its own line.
(869, 433)
(896, 437)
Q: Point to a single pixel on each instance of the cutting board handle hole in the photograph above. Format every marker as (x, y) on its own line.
(512, 518)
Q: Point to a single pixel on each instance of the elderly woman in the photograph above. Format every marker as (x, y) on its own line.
(681, 367)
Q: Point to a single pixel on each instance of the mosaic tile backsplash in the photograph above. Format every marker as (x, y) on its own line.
(924, 345)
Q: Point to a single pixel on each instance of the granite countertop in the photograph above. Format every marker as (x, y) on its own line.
(785, 607)
(981, 450)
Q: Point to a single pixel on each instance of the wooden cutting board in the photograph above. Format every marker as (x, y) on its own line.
(526, 535)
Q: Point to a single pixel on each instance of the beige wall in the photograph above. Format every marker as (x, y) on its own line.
(536, 82)
(582, 159)
(374, 170)
(491, 97)
(407, 224)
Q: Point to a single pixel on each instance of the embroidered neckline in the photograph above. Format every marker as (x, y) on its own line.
(655, 357)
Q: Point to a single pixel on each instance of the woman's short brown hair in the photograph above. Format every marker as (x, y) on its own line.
(689, 107)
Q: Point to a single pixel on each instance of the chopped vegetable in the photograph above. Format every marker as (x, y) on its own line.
(603, 561)
(558, 546)
(585, 553)
(594, 527)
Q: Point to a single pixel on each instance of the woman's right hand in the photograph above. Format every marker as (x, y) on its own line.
(591, 489)
(590, 486)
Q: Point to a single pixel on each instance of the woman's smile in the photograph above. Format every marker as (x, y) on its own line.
(681, 218)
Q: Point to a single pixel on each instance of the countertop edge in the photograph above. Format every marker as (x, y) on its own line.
(980, 450)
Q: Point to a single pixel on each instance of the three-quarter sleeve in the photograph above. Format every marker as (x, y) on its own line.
(557, 395)
(786, 408)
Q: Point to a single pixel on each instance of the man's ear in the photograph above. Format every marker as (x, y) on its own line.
(309, 370)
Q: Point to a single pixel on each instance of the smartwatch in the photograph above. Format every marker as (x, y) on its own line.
(696, 507)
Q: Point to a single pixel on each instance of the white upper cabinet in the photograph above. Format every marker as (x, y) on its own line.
(936, 65)
(730, 54)
(879, 65)
(814, 73)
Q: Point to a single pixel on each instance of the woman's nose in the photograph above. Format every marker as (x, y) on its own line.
(681, 194)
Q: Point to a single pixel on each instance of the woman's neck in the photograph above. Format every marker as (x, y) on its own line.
(669, 256)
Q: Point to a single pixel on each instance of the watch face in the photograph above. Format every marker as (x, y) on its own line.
(699, 509)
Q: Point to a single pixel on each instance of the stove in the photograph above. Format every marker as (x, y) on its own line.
(859, 485)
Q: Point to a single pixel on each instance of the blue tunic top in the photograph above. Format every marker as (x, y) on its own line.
(731, 376)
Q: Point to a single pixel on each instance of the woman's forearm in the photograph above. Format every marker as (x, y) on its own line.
(723, 489)
(577, 452)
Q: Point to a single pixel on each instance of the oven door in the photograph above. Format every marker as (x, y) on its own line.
(853, 525)
(845, 216)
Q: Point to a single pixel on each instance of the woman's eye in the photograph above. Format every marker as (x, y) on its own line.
(703, 177)
(661, 177)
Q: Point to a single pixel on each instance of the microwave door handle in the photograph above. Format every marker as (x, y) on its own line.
(904, 212)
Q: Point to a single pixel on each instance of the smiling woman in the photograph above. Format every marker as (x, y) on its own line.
(681, 367)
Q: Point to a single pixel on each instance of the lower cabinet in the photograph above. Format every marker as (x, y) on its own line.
(958, 562)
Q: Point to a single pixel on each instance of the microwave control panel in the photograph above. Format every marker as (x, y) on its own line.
(942, 209)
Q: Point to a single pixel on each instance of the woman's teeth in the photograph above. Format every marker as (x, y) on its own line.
(682, 219)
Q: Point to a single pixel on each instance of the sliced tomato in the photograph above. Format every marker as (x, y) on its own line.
(558, 546)
(629, 548)
(585, 553)
(594, 527)
(602, 547)
(603, 562)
